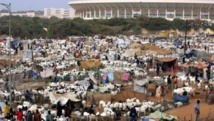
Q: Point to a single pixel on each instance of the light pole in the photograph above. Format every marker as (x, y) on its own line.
(185, 38)
(8, 6)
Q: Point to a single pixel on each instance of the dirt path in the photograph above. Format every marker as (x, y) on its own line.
(30, 85)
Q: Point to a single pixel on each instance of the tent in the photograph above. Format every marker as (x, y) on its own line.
(157, 81)
(139, 86)
(170, 64)
(63, 98)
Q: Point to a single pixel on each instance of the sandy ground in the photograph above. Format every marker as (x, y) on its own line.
(30, 85)
(186, 113)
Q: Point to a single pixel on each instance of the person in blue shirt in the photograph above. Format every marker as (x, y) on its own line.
(27, 96)
(117, 114)
(133, 113)
(94, 47)
(91, 84)
(197, 110)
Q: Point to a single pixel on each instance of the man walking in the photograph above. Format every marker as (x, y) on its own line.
(197, 110)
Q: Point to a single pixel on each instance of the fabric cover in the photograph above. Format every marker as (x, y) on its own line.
(160, 115)
(181, 98)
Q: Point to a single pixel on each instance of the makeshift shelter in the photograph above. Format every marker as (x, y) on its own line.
(139, 86)
(157, 81)
(63, 98)
(169, 63)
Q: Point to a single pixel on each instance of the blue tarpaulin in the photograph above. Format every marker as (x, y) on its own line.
(110, 76)
(178, 43)
(191, 53)
(181, 98)
(14, 43)
(33, 73)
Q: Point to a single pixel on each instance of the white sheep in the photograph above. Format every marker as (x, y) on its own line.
(102, 104)
(178, 104)
(206, 87)
(199, 85)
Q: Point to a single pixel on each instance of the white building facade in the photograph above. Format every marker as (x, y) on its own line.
(169, 9)
(58, 12)
(22, 14)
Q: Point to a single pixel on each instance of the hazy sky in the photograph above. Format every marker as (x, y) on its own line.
(20, 5)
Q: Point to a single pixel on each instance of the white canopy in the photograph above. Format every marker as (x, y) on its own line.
(63, 98)
(138, 86)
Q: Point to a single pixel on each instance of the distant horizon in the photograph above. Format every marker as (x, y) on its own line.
(34, 5)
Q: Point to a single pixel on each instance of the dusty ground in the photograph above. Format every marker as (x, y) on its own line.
(30, 85)
(186, 113)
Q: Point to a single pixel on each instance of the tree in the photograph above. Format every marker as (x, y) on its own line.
(178, 24)
(158, 24)
(142, 20)
(61, 28)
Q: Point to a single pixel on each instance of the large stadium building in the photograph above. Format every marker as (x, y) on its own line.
(169, 9)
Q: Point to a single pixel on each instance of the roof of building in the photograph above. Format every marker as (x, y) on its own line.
(142, 1)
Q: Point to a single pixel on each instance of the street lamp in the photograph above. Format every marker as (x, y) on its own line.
(8, 6)
(185, 38)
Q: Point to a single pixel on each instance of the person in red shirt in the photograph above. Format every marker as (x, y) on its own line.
(19, 115)
(175, 79)
(56, 70)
